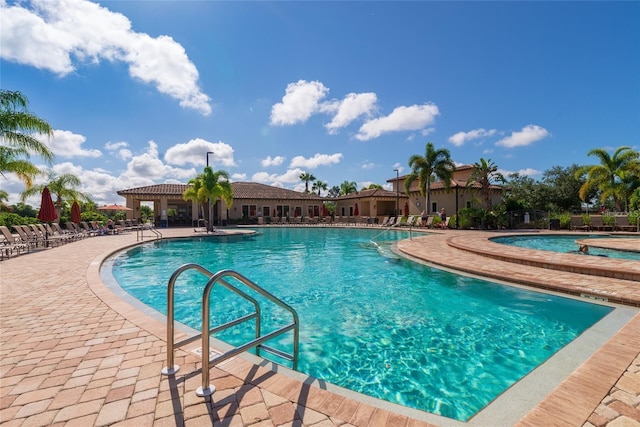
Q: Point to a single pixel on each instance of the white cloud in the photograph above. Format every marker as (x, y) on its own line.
(414, 117)
(68, 144)
(461, 137)
(529, 172)
(368, 165)
(352, 106)
(195, 151)
(52, 34)
(152, 169)
(291, 176)
(276, 161)
(238, 177)
(114, 146)
(527, 136)
(301, 100)
(315, 161)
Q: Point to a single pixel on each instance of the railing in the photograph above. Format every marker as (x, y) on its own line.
(207, 389)
(140, 232)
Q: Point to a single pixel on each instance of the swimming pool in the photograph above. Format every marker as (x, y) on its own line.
(564, 243)
(371, 321)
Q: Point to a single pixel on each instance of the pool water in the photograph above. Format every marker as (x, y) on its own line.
(370, 321)
(565, 243)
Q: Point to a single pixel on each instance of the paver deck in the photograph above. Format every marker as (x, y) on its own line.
(73, 353)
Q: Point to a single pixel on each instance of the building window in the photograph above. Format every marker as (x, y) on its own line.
(249, 211)
(434, 206)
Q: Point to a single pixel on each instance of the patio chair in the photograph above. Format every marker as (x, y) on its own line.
(50, 238)
(10, 244)
(596, 223)
(623, 223)
(26, 236)
(577, 223)
(429, 223)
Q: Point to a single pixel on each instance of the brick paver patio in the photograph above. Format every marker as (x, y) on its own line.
(72, 353)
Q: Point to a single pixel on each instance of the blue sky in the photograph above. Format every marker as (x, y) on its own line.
(139, 91)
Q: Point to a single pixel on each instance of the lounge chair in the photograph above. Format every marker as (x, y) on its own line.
(408, 222)
(577, 223)
(26, 236)
(429, 223)
(11, 244)
(385, 222)
(50, 238)
(596, 223)
(623, 223)
(58, 234)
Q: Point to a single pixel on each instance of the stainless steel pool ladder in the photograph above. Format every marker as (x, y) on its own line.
(140, 233)
(258, 343)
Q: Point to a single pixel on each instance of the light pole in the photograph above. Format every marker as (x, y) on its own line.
(397, 189)
(209, 152)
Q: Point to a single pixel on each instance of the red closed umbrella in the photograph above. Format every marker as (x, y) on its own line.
(324, 210)
(47, 209)
(275, 214)
(406, 209)
(355, 211)
(75, 213)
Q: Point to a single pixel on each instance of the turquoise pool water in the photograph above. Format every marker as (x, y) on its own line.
(370, 321)
(564, 243)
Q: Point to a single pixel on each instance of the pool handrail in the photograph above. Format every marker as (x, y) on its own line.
(207, 389)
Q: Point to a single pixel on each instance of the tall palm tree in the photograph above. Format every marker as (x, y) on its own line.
(486, 174)
(610, 175)
(436, 163)
(307, 177)
(208, 187)
(348, 187)
(63, 188)
(318, 186)
(17, 127)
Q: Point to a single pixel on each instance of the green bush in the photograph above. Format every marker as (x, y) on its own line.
(10, 219)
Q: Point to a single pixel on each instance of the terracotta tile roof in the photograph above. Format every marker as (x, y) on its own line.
(253, 190)
(461, 184)
(241, 190)
(372, 193)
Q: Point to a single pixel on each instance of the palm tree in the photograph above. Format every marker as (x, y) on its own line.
(193, 194)
(307, 177)
(208, 187)
(348, 187)
(4, 197)
(610, 175)
(436, 163)
(17, 126)
(63, 188)
(486, 174)
(319, 185)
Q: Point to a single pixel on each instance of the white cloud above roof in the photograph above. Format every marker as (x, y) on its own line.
(315, 161)
(59, 35)
(301, 101)
(269, 161)
(67, 144)
(194, 152)
(414, 117)
(527, 136)
(351, 108)
(461, 137)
